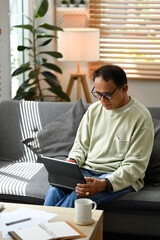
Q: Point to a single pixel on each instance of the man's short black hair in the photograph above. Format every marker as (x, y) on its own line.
(111, 72)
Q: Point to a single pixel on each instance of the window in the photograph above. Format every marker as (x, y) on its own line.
(129, 36)
(18, 11)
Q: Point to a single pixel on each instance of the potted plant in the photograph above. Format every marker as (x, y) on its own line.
(64, 3)
(34, 69)
(82, 3)
(72, 3)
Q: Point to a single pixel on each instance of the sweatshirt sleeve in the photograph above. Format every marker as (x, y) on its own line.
(80, 147)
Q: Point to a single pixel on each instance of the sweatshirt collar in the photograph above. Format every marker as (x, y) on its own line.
(124, 108)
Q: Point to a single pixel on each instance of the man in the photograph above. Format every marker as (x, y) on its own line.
(113, 143)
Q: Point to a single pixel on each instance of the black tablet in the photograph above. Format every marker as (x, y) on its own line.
(62, 173)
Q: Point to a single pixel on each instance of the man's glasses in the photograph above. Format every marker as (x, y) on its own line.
(106, 95)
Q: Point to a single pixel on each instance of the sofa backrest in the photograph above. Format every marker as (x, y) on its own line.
(23, 119)
(155, 112)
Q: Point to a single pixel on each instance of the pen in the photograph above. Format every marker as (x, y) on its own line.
(18, 221)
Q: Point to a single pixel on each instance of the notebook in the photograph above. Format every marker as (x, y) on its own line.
(52, 230)
(62, 173)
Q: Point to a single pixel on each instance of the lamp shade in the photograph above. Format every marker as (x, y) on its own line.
(79, 44)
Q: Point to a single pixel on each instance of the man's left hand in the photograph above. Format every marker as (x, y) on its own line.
(92, 187)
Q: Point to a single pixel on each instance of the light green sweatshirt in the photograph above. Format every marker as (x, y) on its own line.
(119, 141)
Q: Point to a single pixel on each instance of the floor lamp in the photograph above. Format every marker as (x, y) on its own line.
(80, 45)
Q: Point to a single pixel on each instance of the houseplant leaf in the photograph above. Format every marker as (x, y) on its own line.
(43, 35)
(23, 68)
(42, 9)
(22, 48)
(50, 27)
(51, 79)
(59, 92)
(53, 54)
(45, 43)
(52, 67)
(26, 26)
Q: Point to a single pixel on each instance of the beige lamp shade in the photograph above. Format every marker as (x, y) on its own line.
(79, 44)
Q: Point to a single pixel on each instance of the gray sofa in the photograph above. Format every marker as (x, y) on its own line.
(24, 179)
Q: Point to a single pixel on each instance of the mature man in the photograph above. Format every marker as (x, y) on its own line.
(113, 143)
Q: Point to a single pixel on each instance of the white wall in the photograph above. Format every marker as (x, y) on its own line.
(147, 92)
(5, 72)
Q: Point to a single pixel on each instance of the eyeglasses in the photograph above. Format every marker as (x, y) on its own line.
(106, 95)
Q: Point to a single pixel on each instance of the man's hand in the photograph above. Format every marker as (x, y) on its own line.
(92, 187)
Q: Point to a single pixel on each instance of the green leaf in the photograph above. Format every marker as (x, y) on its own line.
(44, 60)
(40, 8)
(50, 27)
(32, 74)
(53, 54)
(52, 67)
(51, 79)
(45, 43)
(60, 93)
(24, 86)
(22, 48)
(23, 68)
(25, 26)
(43, 35)
(28, 95)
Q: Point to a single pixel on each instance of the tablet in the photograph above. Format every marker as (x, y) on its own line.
(62, 173)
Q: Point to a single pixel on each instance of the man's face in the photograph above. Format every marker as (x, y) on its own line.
(119, 97)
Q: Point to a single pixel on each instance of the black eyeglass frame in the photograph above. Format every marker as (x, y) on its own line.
(106, 95)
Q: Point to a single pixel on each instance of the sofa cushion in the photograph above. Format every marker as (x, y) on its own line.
(57, 138)
(136, 202)
(19, 119)
(153, 170)
(23, 182)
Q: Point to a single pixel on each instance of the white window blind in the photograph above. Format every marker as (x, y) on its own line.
(129, 36)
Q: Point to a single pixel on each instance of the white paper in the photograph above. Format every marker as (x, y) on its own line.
(37, 217)
(61, 229)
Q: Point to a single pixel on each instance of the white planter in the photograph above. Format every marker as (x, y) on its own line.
(81, 5)
(72, 5)
(64, 5)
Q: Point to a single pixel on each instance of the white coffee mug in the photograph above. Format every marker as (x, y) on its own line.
(84, 208)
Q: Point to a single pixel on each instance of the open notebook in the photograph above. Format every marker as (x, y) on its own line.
(52, 230)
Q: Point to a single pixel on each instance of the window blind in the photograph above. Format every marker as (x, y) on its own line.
(129, 36)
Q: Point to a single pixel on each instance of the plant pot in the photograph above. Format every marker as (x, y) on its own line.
(64, 5)
(81, 5)
(72, 5)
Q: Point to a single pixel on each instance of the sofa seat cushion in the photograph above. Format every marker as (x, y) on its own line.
(23, 180)
(146, 200)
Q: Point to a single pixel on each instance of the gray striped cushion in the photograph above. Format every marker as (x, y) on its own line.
(20, 120)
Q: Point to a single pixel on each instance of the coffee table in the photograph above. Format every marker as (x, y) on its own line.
(92, 232)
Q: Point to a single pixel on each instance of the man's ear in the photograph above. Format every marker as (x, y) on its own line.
(125, 88)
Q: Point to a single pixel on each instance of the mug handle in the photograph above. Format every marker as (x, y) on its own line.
(95, 206)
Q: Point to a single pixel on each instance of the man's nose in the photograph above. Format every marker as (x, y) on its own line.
(103, 99)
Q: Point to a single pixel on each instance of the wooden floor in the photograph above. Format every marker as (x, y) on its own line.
(116, 236)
